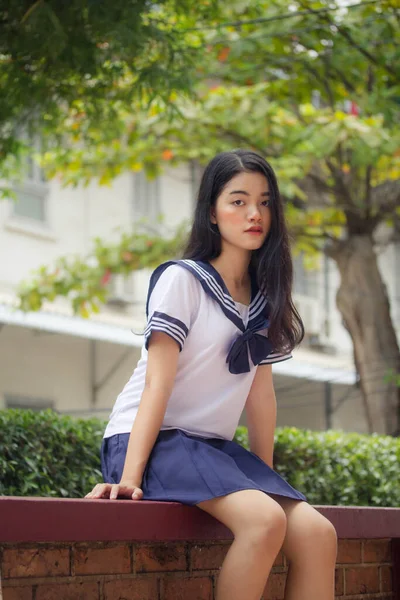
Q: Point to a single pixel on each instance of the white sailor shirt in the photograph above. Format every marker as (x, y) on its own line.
(221, 343)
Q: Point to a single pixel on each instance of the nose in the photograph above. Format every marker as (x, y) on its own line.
(254, 214)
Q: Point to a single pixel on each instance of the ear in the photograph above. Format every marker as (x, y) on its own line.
(212, 215)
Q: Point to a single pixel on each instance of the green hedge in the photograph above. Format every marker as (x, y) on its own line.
(44, 454)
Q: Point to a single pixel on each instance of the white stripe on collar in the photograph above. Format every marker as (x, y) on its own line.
(213, 283)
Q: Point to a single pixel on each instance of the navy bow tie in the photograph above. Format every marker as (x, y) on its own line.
(259, 346)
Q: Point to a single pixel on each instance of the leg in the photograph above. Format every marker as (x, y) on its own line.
(258, 524)
(310, 546)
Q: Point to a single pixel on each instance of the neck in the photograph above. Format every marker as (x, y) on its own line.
(233, 266)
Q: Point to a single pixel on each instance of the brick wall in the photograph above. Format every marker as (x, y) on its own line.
(57, 549)
(170, 571)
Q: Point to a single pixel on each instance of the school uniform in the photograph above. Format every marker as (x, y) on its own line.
(221, 343)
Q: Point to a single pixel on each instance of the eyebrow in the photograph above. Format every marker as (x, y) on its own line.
(247, 193)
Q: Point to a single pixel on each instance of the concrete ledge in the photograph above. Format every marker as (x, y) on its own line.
(24, 520)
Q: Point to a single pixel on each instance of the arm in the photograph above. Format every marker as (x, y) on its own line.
(161, 369)
(167, 327)
(261, 414)
(162, 363)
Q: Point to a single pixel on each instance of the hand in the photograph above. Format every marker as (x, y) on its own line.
(124, 489)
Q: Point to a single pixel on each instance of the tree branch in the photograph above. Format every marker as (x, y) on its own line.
(342, 77)
(368, 175)
(323, 81)
(344, 33)
(30, 10)
(341, 190)
(363, 51)
(321, 184)
(244, 140)
(385, 198)
(370, 80)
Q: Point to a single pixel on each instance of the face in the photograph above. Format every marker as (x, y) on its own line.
(243, 204)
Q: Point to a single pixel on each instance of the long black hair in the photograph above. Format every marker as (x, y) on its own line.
(271, 265)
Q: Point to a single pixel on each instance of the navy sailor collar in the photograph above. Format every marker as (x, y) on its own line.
(249, 342)
(214, 285)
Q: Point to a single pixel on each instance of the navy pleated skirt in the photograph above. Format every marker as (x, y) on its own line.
(190, 469)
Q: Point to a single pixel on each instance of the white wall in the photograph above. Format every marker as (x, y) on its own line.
(57, 367)
(76, 216)
(176, 196)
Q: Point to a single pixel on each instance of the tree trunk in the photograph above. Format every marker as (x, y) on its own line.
(363, 302)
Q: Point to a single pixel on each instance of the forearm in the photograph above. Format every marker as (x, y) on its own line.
(160, 376)
(144, 433)
(261, 431)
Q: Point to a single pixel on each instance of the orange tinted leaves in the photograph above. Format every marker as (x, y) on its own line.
(167, 154)
(223, 54)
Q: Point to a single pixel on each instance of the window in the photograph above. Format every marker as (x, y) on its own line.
(27, 402)
(31, 201)
(196, 173)
(305, 281)
(146, 201)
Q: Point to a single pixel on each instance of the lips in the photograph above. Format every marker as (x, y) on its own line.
(254, 229)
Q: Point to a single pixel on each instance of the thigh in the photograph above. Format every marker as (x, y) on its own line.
(308, 532)
(245, 510)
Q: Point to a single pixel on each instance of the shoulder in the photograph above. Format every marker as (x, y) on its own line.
(173, 272)
(170, 282)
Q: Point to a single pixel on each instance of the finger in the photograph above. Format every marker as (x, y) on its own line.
(100, 489)
(91, 494)
(137, 494)
(114, 491)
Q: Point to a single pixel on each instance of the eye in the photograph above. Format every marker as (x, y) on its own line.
(236, 201)
(265, 202)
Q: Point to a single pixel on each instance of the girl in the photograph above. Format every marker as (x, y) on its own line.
(217, 320)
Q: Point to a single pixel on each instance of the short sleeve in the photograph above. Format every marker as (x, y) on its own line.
(172, 304)
(275, 357)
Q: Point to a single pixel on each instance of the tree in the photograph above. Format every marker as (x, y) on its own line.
(337, 158)
(67, 62)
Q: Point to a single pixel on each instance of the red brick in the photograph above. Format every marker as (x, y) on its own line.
(362, 580)
(92, 561)
(339, 579)
(377, 551)
(35, 562)
(209, 556)
(131, 589)
(195, 588)
(349, 551)
(275, 588)
(386, 579)
(88, 590)
(17, 593)
(160, 557)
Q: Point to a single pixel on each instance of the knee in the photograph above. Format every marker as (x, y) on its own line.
(269, 527)
(323, 536)
(311, 538)
(328, 534)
